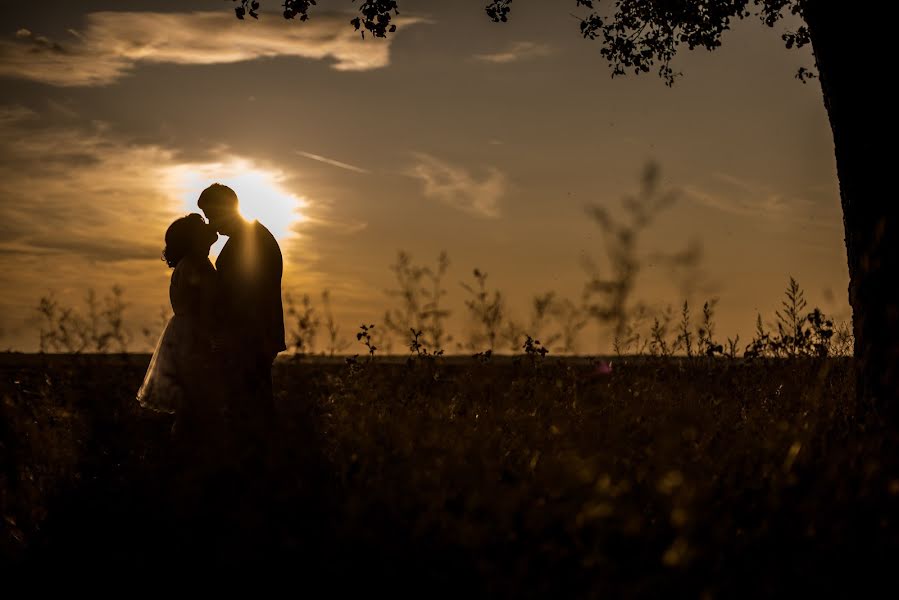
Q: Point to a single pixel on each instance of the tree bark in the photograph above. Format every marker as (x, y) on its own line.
(847, 43)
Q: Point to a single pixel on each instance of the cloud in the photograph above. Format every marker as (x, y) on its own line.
(331, 226)
(15, 114)
(517, 51)
(456, 187)
(808, 219)
(115, 249)
(732, 204)
(62, 109)
(79, 191)
(755, 200)
(332, 162)
(112, 44)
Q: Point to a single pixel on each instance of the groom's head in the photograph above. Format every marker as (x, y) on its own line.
(219, 203)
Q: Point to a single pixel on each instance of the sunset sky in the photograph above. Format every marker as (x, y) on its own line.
(458, 134)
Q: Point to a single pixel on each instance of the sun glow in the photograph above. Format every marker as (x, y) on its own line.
(261, 192)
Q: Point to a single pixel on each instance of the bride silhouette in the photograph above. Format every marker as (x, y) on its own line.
(176, 377)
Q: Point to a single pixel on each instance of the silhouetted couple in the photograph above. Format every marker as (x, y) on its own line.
(212, 364)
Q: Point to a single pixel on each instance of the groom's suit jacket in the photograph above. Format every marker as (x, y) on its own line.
(249, 269)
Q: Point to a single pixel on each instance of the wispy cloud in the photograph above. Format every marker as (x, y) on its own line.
(113, 43)
(756, 206)
(517, 51)
(332, 162)
(457, 187)
(755, 200)
(15, 114)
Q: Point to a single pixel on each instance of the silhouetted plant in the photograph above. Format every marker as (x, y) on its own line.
(700, 343)
(64, 329)
(658, 345)
(365, 336)
(609, 298)
(630, 339)
(706, 331)
(106, 323)
(761, 344)
(790, 321)
(533, 349)
(684, 269)
(684, 339)
(376, 17)
(375, 14)
(249, 7)
(541, 318)
(487, 311)
(817, 338)
(57, 327)
(798, 333)
(306, 324)
(418, 348)
(512, 335)
(336, 344)
(843, 342)
(483, 357)
(571, 320)
(420, 291)
(498, 10)
(435, 316)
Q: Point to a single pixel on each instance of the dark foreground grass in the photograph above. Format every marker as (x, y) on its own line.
(712, 478)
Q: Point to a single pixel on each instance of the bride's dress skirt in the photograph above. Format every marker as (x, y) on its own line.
(178, 366)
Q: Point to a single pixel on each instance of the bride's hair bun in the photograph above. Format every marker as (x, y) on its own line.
(181, 237)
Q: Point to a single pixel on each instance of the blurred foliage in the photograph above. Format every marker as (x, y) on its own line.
(100, 329)
(419, 295)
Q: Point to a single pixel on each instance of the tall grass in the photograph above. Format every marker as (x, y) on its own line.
(421, 317)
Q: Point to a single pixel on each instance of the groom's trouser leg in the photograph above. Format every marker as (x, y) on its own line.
(254, 421)
(264, 433)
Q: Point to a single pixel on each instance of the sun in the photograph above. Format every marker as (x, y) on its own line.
(261, 192)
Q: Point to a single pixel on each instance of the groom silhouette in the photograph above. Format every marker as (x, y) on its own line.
(252, 320)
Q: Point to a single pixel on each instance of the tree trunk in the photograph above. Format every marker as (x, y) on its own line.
(846, 39)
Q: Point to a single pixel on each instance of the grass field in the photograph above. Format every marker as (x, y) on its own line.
(527, 477)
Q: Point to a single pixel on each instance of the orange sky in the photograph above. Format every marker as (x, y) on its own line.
(455, 134)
